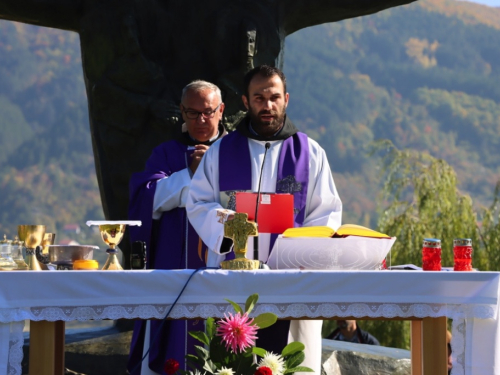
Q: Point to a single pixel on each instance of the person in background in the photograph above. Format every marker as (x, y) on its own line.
(448, 345)
(158, 198)
(348, 330)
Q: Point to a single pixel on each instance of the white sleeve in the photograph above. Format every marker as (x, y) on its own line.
(324, 207)
(171, 192)
(203, 207)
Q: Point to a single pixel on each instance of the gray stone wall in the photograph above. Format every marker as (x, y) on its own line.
(344, 358)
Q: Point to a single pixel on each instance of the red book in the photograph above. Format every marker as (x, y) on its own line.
(275, 213)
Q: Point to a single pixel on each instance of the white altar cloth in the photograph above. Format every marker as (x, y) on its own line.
(471, 299)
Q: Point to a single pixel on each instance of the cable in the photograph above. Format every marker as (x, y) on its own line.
(137, 366)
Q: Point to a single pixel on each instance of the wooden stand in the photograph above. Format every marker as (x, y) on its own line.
(46, 348)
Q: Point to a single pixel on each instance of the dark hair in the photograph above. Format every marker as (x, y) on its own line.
(265, 71)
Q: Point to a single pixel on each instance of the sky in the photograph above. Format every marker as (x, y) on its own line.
(492, 3)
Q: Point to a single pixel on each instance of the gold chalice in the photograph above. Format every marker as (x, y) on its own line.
(112, 233)
(42, 255)
(32, 235)
(48, 239)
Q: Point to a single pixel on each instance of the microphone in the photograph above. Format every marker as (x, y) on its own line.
(256, 239)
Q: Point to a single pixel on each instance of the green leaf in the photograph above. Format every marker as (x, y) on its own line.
(211, 328)
(200, 336)
(236, 307)
(218, 352)
(298, 369)
(202, 352)
(259, 351)
(251, 302)
(190, 358)
(292, 348)
(265, 320)
(295, 359)
(243, 364)
(208, 368)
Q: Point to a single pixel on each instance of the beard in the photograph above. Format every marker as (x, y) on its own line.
(267, 128)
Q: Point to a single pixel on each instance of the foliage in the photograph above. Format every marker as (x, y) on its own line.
(394, 333)
(420, 200)
(214, 355)
(56, 196)
(423, 76)
(490, 232)
(46, 162)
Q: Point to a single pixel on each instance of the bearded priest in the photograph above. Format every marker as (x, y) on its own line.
(295, 164)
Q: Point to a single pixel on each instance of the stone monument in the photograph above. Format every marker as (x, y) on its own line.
(137, 56)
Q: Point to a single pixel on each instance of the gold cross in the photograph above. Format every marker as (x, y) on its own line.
(239, 229)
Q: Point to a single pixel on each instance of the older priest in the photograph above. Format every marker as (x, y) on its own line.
(158, 198)
(295, 164)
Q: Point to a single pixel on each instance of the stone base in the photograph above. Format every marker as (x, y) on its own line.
(103, 352)
(240, 264)
(345, 358)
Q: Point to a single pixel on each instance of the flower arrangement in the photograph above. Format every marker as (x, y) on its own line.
(229, 347)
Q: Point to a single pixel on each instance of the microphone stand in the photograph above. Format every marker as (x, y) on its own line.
(256, 239)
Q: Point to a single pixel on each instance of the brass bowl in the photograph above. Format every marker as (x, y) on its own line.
(67, 254)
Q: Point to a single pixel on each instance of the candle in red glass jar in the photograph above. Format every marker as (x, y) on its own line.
(462, 254)
(431, 254)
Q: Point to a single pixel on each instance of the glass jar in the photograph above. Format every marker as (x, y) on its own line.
(462, 254)
(17, 254)
(6, 261)
(431, 254)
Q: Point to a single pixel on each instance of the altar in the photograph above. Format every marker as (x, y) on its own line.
(48, 299)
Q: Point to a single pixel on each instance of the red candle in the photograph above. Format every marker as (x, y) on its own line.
(431, 254)
(462, 254)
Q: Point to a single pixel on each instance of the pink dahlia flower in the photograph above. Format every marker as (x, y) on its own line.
(237, 331)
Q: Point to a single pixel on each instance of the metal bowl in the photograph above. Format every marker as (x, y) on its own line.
(67, 254)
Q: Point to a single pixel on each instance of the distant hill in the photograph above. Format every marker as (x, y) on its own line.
(46, 161)
(425, 76)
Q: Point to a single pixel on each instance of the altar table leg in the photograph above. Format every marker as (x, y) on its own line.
(429, 354)
(416, 347)
(46, 348)
(434, 344)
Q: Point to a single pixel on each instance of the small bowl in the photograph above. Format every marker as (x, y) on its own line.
(87, 264)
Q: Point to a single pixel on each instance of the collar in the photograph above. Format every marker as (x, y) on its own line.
(285, 132)
(184, 137)
(251, 130)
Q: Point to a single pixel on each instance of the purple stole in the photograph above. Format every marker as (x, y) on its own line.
(167, 241)
(235, 172)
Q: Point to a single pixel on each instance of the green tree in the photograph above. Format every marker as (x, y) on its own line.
(490, 232)
(420, 199)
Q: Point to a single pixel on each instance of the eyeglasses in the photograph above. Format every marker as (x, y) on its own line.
(193, 115)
